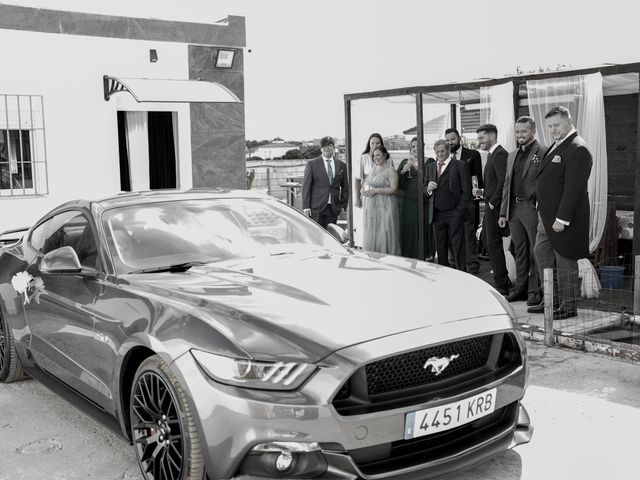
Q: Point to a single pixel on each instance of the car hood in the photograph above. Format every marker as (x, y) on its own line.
(308, 306)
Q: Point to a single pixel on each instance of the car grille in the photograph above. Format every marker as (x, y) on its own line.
(402, 380)
(407, 453)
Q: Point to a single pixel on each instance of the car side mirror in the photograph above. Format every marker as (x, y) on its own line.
(61, 260)
(338, 233)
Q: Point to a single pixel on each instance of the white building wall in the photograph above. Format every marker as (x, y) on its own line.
(80, 126)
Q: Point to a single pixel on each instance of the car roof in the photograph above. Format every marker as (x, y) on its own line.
(153, 196)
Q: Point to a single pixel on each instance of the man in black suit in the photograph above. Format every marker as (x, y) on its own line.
(494, 173)
(325, 188)
(563, 204)
(518, 209)
(472, 217)
(448, 187)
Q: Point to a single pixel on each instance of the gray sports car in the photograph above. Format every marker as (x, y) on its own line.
(228, 336)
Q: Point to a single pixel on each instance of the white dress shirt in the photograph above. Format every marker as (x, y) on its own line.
(326, 162)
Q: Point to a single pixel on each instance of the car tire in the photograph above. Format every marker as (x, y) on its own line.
(10, 364)
(163, 428)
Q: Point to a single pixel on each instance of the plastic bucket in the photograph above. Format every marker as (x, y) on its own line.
(611, 277)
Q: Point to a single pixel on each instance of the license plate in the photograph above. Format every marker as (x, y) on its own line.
(445, 417)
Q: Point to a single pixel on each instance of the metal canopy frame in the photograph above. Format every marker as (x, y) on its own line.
(168, 90)
(518, 80)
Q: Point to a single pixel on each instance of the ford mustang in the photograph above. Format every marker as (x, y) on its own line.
(226, 335)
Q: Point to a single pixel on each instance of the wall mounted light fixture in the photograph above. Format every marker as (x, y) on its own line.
(153, 55)
(225, 58)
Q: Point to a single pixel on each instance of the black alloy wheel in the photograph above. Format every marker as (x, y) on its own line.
(162, 425)
(10, 364)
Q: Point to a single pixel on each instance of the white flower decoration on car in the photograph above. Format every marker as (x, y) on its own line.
(23, 282)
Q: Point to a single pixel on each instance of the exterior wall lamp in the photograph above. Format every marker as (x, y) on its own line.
(225, 58)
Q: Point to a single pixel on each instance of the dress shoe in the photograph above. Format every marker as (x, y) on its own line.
(539, 308)
(516, 296)
(562, 313)
(534, 299)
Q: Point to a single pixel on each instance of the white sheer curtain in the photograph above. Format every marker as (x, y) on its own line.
(138, 147)
(499, 110)
(582, 95)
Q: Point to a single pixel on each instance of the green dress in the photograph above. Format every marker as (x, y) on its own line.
(409, 225)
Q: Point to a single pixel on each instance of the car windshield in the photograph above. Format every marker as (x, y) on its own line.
(180, 234)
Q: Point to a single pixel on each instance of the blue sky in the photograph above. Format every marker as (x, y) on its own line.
(306, 54)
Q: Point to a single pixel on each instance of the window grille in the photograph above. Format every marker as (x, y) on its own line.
(23, 160)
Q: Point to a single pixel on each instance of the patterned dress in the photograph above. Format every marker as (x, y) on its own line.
(381, 229)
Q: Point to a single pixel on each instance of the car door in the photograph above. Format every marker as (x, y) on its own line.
(59, 311)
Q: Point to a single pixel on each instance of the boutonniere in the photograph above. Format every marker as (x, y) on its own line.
(535, 158)
(29, 287)
(556, 159)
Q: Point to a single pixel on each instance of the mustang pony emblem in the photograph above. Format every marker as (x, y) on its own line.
(438, 364)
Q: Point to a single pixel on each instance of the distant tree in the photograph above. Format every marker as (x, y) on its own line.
(256, 158)
(292, 154)
(311, 152)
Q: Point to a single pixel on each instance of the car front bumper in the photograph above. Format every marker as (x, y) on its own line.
(233, 420)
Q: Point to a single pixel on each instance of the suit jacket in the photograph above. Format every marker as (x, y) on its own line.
(494, 173)
(561, 191)
(459, 184)
(316, 188)
(474, 162)
(529, 174)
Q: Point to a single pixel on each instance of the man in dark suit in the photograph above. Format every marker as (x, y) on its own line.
(325, 187)
(494, 173)
(518, 209)
(563, 204)
(448, 187)
(472, 217)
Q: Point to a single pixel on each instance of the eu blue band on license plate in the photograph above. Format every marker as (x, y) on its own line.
(450, 415)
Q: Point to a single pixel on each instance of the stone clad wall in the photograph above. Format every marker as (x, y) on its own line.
(217, 130)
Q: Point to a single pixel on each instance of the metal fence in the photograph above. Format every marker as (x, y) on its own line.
(607, 318)
(281, 179)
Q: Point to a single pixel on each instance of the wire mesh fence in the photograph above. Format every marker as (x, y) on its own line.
(603, 315)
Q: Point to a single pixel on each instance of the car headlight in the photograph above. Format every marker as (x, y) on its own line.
(249, 373)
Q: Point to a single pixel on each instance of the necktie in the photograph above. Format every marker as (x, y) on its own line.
(440, 165)
(329, 171)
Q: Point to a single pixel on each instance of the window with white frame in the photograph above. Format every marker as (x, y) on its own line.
(23, 162)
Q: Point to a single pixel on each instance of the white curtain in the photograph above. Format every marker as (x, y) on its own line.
(138, 147)
(499, 110)
(582, 95)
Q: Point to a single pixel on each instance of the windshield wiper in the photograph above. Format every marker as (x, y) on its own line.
(177, 267)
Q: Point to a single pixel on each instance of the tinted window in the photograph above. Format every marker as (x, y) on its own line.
(67, 229)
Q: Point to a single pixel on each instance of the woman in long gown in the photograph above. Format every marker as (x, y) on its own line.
(381, 230)
(363, 168)
(410, 185)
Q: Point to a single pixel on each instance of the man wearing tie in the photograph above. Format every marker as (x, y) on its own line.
(563, 204)
(325, 189)
(494, 173)
(448, 188)
(472, 217)
(518, 209)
